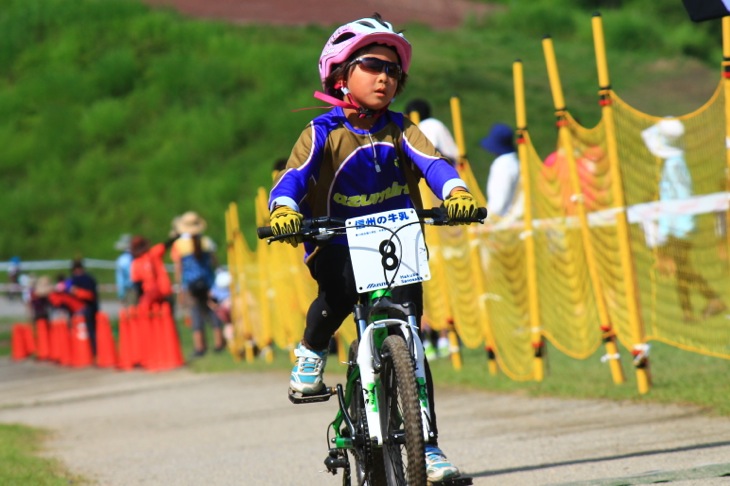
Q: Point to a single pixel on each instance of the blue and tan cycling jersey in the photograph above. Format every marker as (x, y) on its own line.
(338, 170)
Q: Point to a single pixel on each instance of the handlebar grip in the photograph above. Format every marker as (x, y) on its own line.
(264, 232)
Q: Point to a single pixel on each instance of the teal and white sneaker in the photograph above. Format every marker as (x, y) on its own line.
(438, 467)
(306, 376)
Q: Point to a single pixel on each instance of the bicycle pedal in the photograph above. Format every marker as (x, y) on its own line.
(321, 396)
(460, 481)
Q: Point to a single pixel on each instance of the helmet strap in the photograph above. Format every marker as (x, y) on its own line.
(350, 103)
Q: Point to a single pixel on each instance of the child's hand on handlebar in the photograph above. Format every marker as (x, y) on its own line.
(284, 220)
(461, 205)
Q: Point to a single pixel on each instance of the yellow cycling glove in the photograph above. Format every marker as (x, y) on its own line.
(284, 220)
(460, 205)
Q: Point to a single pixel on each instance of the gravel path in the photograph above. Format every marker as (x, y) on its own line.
(181, 428)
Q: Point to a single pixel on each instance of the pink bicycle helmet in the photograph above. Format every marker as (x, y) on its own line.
(352, 36)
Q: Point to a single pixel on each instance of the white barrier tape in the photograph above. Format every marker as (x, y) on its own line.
(607, 357)
(638, 213)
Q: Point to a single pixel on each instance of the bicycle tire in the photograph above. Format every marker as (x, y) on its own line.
(369, 464)
(403, 447)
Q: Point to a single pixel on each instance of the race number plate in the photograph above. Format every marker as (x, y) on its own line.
(387, 249)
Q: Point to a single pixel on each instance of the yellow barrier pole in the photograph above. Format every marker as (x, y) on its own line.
(246, 331)
(726, 90)
(248, 335)
(640, 348)
(534, 309)
(565, 141)
(231, 228)
(458, 127)
(262, 331)
(489, 344)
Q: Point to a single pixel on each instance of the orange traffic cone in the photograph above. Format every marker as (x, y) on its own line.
(106, 356)
(65, 357)
(41, 328)
(53, 341)
(80, 346)
(149, 321)
(125, 342)
(18, 343)
(135, 336)
(29, 339)
(169, 344)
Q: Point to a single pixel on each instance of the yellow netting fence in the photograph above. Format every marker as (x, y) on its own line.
(582, 272)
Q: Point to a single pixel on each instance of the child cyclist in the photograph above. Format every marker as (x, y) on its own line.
(357, 159)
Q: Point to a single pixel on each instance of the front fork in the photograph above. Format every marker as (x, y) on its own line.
(369, 363)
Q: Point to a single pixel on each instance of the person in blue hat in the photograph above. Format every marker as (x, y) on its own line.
(504, 197)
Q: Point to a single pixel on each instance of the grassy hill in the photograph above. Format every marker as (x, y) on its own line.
(115, 117)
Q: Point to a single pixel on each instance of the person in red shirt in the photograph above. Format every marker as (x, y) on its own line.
(148, 273)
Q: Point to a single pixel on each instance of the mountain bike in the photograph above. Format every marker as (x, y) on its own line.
(384, 417)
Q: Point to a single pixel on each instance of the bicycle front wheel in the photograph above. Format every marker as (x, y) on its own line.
(403, 447)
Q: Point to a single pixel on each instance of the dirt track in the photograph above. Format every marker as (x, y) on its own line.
(180, 428)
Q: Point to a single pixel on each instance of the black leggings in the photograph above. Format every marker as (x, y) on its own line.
(337, 295)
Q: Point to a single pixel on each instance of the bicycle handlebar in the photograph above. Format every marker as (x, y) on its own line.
(328, 225)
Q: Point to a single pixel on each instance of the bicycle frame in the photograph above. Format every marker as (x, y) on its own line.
(382, 360)
(372, 328)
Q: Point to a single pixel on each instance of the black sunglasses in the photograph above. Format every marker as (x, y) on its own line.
(376, 65)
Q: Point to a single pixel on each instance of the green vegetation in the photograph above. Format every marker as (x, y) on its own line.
(20, 448)
(116, 117)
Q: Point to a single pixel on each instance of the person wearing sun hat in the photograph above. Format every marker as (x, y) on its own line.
(671, 234)
(504, 197)
(195, 263)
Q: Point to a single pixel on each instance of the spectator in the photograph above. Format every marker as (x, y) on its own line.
(62, 301)
(14, 278)
(148, 273)
(434, 129)
(82, 286)
(504, 194)
(221, 300)
(195, 254)
(440, 136)
(671, 235)
(40, 304)
(125, 289)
